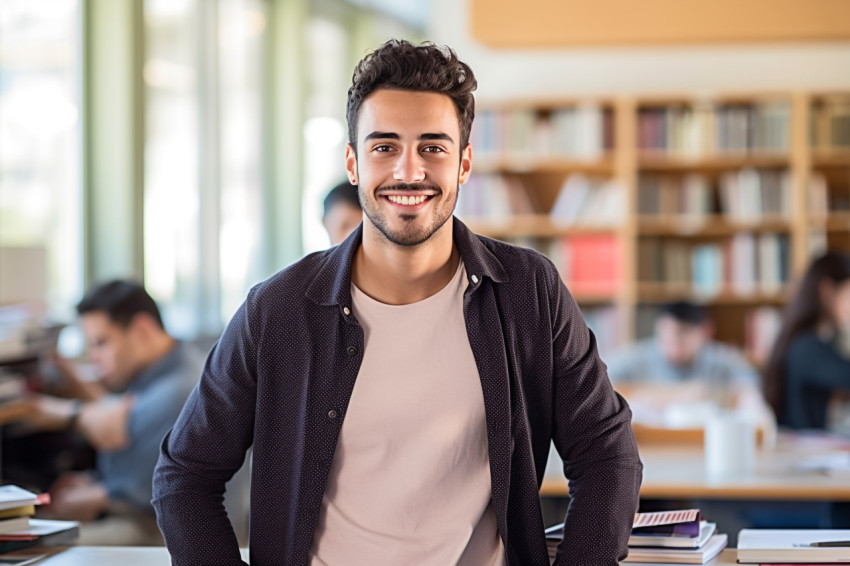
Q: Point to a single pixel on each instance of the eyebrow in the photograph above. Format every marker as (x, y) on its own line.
(423, 137)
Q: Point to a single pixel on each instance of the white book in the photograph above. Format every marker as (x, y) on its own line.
(12, 496)
(14, 524)
(791, 545)
(571, 200)
(743, 274)
(679, 555)
(706, 530)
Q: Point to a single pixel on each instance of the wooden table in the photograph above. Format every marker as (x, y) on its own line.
(155, 556)
(678, 472)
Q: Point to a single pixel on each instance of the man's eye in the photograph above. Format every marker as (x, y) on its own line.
(382, 148)
(433, 149)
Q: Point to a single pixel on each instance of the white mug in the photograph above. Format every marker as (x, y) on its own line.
(730, 445)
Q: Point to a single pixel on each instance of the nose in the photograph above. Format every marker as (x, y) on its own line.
(409, 168)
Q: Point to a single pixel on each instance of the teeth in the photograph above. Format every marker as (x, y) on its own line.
(407, 200)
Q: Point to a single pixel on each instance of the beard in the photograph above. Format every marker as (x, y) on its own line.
(415, 229)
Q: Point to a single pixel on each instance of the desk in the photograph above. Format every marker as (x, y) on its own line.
(677, 472)
(154, 556)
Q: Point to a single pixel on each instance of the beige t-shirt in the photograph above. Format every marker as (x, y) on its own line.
(410, 482)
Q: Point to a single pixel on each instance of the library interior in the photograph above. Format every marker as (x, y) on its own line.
(176, 176)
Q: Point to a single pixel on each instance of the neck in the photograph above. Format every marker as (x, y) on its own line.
(399, 275)
(160, 345)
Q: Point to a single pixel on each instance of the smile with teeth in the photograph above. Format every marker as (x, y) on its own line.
(407, 200)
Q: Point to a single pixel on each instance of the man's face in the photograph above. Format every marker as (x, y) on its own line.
(340, 220)
(111, 348)
(680, 342)
(408, 163)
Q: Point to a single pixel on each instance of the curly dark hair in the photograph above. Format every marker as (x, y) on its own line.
(398, 64)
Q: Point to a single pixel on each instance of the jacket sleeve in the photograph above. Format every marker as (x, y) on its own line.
(205, 448)
(593, 435)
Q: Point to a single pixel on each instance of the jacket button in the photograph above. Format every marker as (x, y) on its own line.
(352, 350)
(346, 311)
(332, 414)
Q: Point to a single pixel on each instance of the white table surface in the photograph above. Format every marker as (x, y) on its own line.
(156, 556)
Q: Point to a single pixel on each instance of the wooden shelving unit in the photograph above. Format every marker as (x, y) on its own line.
(709, 225)
(781, 141)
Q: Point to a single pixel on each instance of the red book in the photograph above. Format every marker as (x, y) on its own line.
(594, 264)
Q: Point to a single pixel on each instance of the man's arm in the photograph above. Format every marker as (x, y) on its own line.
(103, 423)
(592, 433)
(204, 449)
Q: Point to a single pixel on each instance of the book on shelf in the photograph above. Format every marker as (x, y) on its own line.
(582, 132)
(745, 264)
(705, 128)
(707, 267)
(591, 264)
(588, 202)
(494, 198)
(750, 194)
(760, 546)
(745, 196)
(831, 122)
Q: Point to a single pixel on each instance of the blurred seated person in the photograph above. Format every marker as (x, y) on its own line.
(680, 376)
(342, 212)
(807, 378)
(145, 377)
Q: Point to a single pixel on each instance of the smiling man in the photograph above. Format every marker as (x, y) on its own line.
(401, 390)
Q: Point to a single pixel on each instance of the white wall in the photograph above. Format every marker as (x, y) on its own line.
(538, 73)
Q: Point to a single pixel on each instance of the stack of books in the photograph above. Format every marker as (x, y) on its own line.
(674, 537)
(667, 537)
(17, 505)
(19, 530)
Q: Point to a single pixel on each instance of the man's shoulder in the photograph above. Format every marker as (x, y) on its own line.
(293, 280)
(178, 371)
(518, 261)
(723, 352)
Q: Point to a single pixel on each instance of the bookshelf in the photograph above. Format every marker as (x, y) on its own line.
(720, 200)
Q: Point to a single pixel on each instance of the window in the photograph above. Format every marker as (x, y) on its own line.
(203, 172)
(40, 152)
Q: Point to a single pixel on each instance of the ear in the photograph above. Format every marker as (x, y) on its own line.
(142, 323)
(351, 163)
(465, 164)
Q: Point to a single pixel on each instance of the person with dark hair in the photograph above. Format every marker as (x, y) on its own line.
(682, 358)
(401, 390)
(809, 366)
(144, 377)
(341, 212)
(682, 350)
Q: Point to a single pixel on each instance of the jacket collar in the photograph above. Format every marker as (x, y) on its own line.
(332, 283)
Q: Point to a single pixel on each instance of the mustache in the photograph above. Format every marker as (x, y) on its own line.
(401, 187)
